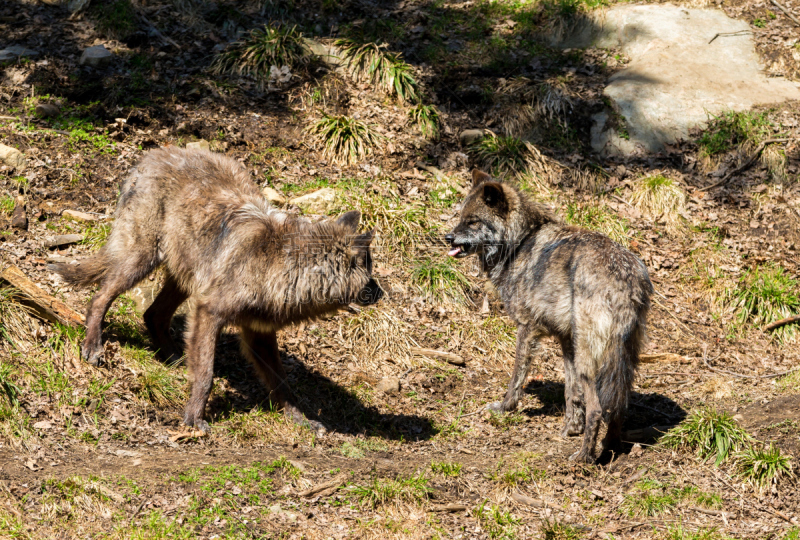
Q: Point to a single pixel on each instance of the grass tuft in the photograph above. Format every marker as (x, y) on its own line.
(766, 294)
(441, 279)
(599, 218)
(503, 155)
(159, 384)
(6, 204)
(660, 198)
(446, 468)
(731, 129)
(426, 117)
(790, 382)
(345, 139)
(708, 433)
(763, 466)
(555, 530)
(413, 489)
(388, 71)
(255, 54)
(116, 19)
(497, 523)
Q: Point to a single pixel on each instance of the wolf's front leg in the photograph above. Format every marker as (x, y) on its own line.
(261, 348)
(527, 343)
(204, 327)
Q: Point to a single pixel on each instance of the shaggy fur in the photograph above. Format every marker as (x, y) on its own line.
(555, 280)
(241, 261)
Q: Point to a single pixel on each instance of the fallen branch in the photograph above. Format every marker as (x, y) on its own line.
(529, 501)
(659, 357)
(746, 165)
(444, 355)
(743, 376)
(326, 488)
(46, 306)
(786, 12)
(782, 322)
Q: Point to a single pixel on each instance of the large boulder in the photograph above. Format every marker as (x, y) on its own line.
(318, 202)
(684, 65)
(13, 158)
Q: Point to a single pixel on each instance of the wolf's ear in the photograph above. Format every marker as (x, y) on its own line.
(350, 219)
(479, 177)
(364, 240)
(495, 197)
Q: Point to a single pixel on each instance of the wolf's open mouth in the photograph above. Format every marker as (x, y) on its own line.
(454, 252)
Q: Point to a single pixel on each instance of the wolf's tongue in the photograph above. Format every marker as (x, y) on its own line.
(455, 251)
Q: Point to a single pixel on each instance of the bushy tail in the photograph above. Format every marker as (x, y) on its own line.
(86, 272)
(615, 379)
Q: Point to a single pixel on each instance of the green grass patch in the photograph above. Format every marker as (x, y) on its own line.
(6, 204)
(790, 382)
(763, 466)
(709, 434)
(426, 118)
(502, 155)
(678, 532)
(446, 468)
(731, 129)
(653, 498)
(496, 522)
(380, 492)
(386, 70)
(442, 279)
(556, 530)
(765, 294)
(162, 385)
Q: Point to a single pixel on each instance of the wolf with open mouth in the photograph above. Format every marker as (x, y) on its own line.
(577, 285)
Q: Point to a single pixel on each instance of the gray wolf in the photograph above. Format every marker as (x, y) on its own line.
(579, 286)
(241, 261)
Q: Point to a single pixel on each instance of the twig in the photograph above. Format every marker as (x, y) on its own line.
(782, 322)
(746, 165)
(246, 525)
(136, 512)
(786, 12)
(730, 34)
(743, 376)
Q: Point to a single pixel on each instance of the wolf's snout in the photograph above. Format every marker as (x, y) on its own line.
(449, 238)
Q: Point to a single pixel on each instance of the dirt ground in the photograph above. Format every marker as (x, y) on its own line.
(101, 453)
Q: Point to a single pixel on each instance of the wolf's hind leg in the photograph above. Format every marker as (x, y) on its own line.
(261, 349)
(119, 279)
(158, 316)
(527, 343)
(574, 414)
(204, 327)
(594, 416)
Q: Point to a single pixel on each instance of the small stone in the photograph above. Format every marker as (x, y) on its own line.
(469, 136)
(13, 158)
(637, 450)
(80, 216)
(389, 385)
(62, 240)
(273, 196)
(275, 509)
(96, 57)
(198, 145)
(318, 202)
(46, 110)
(44, 424)
(16, 51)
(19, 219)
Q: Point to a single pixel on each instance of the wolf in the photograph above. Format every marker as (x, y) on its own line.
(577, 285)
(242, 262)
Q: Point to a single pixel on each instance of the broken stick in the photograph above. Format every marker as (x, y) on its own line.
(46, 306)
(325, 488)
(444, 355)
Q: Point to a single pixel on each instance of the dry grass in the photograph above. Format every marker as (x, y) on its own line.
(258, 427)
(505, 155)
(661, 199)
(521, 104)
(377, 336)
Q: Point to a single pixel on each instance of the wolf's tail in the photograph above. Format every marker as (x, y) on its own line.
(87, 272)
(615, 379)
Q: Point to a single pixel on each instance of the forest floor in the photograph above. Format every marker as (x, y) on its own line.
(91, 452)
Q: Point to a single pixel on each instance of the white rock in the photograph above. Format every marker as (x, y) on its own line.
(389, 385)
(13, 158)
(198, 145)
(96, 57)
(684, 65)
(318, 202)
(273, 196)
(469, 136)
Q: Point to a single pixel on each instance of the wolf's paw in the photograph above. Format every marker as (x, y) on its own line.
(571, 429)
(582, 457)
(317, 427)
(92, 355)
(202, 425)
(495, 407)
